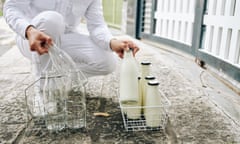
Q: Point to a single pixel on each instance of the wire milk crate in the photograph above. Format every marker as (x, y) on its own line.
(146, 118)
(53, 108)
(57, 99)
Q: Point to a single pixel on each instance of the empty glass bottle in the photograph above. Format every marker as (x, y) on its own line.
(54, 101)
(63, 92)
(76, 103)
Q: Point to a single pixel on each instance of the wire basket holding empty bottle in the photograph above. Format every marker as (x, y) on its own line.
(56, 101)
(55, 105)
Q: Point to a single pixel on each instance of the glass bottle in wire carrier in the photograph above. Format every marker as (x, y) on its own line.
(153, 106)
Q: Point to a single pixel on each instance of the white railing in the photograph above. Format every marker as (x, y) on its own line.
(147, 17)
(174, 20)
(222, 36)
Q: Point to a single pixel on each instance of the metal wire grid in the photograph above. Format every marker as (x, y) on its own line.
(57, 115)
(136, 120)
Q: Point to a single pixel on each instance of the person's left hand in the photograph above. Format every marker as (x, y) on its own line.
(119, 46)
(38, 41)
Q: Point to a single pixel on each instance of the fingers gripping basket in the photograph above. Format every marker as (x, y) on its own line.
(57, 100)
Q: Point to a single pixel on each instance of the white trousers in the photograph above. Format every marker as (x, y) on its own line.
(90, 59)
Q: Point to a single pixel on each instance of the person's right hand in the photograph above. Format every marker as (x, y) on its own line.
(38, 41)
(120, 45)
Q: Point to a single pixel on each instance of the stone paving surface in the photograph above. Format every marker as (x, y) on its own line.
(193, 116)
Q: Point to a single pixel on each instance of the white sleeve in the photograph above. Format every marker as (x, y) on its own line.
(97, 27)
(14, 13)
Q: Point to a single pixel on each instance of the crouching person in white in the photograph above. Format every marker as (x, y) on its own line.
(40, 23)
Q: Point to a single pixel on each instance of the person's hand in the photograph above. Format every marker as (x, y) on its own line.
(119, 46)
(38, 41)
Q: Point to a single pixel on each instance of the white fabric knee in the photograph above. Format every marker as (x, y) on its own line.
(50, 22)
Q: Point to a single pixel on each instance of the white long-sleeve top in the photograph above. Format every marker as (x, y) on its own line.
(19, 13)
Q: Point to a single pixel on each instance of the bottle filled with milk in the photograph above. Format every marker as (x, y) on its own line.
(145, 71)
(145, 68)
(129, 86)
(153, 105)
(144, 87)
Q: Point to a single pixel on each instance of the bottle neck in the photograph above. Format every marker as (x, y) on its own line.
(128, 54)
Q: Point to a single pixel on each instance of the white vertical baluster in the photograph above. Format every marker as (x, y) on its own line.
(179, 30)
(223, 43)
(184, 6)
(208, 41)
(185, 31)
(182, 33)
(168, 6)
(183, 28)
(178, 23)
(219, 42)
(160, 10)
(233, 51)
(228, 8)
(208, 28)
(159, 5)
(172, 4)
(219, 7)
(192, 6)
(226, 34)
(167, 19)
(190, 33)
(176, 27)
(237, 9)
(178, 6)
(214, 40)
(216, 29)
(173, 29)
(237, 14)
(161, 28)
(238, 47)
(181, 6)
(170, 29)
(228, 43)
(223, 7)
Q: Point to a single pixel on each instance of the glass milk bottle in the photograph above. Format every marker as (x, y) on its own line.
(133, 111)
(153, 108)
(145, 70)
(144, 88)
(38, 103)
(76, 101)
(129, 79)
(129, 94)
(53, 92)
